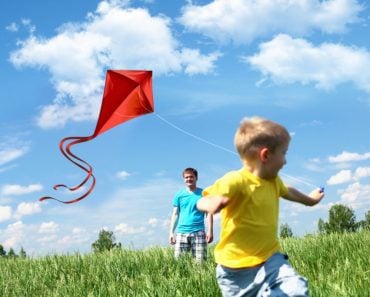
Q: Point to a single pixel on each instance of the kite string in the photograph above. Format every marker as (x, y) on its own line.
(194, 136)
(225, 149)
(299, 180)
(216, 145)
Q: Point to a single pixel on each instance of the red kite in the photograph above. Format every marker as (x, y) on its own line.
(127, 94)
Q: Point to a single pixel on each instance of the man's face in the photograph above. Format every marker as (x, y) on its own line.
(190, 179)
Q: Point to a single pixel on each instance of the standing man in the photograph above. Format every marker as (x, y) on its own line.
(188, 221)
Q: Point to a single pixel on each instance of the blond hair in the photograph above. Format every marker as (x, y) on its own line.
(255, 133)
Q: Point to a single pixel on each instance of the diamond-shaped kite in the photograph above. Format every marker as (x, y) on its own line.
(127, 95)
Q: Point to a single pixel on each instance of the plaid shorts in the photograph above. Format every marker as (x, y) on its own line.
(195, 242)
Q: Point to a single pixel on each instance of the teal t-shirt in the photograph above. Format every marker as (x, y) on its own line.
(190, 218)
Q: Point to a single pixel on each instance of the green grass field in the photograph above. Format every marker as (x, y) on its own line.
(336, 266)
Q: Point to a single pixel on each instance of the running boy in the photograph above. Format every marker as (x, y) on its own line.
(190, 235)
(248, 254)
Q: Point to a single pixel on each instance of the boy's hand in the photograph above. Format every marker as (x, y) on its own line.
(317, 195)
(312, 199)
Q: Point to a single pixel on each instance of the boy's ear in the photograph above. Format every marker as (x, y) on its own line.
(264, 154)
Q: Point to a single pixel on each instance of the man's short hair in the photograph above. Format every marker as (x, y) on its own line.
(190, 170)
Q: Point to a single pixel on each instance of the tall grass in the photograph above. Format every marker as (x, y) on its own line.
(152, 272)
(336, 265)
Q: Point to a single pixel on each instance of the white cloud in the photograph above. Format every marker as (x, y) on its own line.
(12, 27)
(342, 176)
(361, 172)
(294, 209)
(148, 200)
(124, 228)
(20, 190)
(348, 157)
(10, 154)
(49, 227)
(77, 237)
(314, 164)
(14, 234)
(166, 223)
(74, 239)
(25, 23)
(47, 239)
(28, 25)
(195, 63)
(161, 173)
(27, 208)
(153, 222)
(242, 21)
(11, 242)
(12, 147)
(5, 213)
(345, 176)
(114, 36)
(313, 123)
(77, 230)
(5, 168)
(288, 60)
(122, 174)
(15, 227)
(356, 196)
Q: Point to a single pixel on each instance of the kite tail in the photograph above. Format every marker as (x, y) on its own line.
(66, 151)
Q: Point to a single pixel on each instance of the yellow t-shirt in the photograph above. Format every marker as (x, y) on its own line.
(249, 222)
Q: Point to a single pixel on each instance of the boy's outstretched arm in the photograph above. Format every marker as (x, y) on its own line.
(310, 200)
(212, 204)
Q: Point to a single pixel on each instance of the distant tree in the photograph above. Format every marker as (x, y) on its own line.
(367, 220)
(22, 253)
(285, 231)
(105, 242)
(341, 219)
(365, 224)
(321, 225)
(2, 251)
(11, 253)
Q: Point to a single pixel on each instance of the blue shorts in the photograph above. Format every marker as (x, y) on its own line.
(275, 277)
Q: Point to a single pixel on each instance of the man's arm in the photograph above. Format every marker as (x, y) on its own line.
(173, 224)
(310, 200)
(210, 227)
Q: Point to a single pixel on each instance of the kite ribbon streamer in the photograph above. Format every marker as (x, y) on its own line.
(127, 95)
(70, 156)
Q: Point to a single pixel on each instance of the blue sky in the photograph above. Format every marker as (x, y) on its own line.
(304, 64)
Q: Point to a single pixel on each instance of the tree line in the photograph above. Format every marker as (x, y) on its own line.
(341, 219)
(11, 253)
